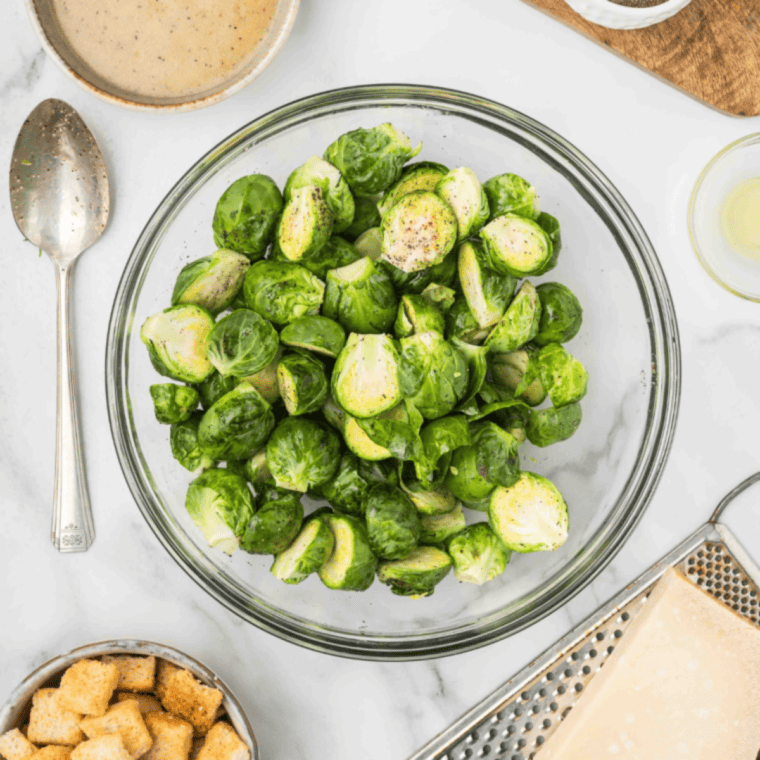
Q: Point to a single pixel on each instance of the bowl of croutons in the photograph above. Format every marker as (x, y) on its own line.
(124, 700)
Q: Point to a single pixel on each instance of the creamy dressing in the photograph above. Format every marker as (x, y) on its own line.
(165, 48)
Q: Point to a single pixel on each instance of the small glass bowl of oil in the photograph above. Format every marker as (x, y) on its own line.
(724, 218)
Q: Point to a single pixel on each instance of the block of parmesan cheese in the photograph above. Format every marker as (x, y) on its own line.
(684, 682)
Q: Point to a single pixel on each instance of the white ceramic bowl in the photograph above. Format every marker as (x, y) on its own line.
(614, 16)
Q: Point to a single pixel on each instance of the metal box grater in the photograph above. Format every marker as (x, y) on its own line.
(516, 719)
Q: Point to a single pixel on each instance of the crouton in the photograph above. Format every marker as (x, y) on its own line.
(146, 702)
(124, 719)
(53, 752)
(193, 701)
(164, 671)
(50, 722)
(109, 747)
(172, 737)
(87, 686)
(15, 746)
(223, 743)
(135, 673)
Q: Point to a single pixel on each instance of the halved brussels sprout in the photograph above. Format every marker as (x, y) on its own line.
(487, 292)
(415, 315)
(361, 297)
(359, 441)
(462, 190)
(422, 176)
(183, 438)
(236, 426)
(370, 160)
(274, 526)
(529, 516)
(440, 296)
(303, 383)
(439, 501)
(219, 503)
(365, 379)
(548, 426)
(246, 215)
(305, 225)
(176, 342)
(366, 216)
(256, 470)
(508, 370)
(318, 172)
(418, 231)
(306, 555)
(519, 323)
(561, 314)
(438, 529)
(335, 253)
(211, 282)
(392, 523)
(302, 453)
(460, 323)
(417, 574)
(173, 403)
(478, 554)
(321, 335)
(345, 491)
(392, 433)
(370, 243)
(214, 387)
(563, 376)
(281, 292)
(517, 246)
(241, 344)
(464, 479)
(265, 380)
(352, 565)
(510, 194)
(334, 413)
(497, 453)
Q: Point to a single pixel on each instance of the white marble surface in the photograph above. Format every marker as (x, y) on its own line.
(649, 139)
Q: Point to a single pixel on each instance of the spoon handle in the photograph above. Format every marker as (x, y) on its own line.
(72, 529)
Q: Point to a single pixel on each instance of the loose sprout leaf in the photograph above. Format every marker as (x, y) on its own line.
(497, 453)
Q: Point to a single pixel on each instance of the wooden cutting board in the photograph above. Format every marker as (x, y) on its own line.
(710, 50)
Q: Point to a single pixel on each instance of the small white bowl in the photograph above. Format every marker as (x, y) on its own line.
(614, 16)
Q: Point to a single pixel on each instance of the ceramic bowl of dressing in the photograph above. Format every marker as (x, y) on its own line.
(170, 57)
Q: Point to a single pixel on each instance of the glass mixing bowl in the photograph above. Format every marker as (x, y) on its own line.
(628, 342)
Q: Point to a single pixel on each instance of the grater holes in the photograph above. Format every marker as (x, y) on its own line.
(492, 734)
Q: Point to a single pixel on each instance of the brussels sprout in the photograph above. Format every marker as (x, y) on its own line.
(462, 190)
(274, 526)
(497, 453)
(303, 383)
(460, 323)
(439, 501)
(408, 282)
(219, 503)
(281, 292)
(394, 432)
(370, 160)
(211, 282)
(549, 426)
(246, 215)
(488, 293)
(321, 335)
(440, 438)
(306, 555)
(561, 314)
(365, 217)
(214, 387)
(529, 516)
(237, 425)
(440, 296)
(345, 491)
(302, 453)
(335, 253)
(176, 341)
(365, 379)
(370, 243)
(265, 380)
(510, 414)
(509, 369)
(517, 246)
(173, 403)
(510, 194)
(438, 529)
(550, 225)
(417, 574)
(478, 554)
(351, 566)
(418, 231)
(445, 272)
(241, 344)
(361, 297)
(392, 523)
(183, 437)
(422, 176)
(333, 413)
(318, 172)
(441, 373)
(477, 369)
(563, 376)
(305, 225)
(519, 323)
(464, 480)
(415, 315)
(255, 468)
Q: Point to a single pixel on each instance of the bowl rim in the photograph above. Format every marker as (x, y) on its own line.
(189, 105)
(656, 441)
(635, 13)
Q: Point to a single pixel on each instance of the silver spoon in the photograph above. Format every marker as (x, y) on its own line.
(60, 200)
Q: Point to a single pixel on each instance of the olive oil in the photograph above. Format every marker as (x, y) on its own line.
(740, 219)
